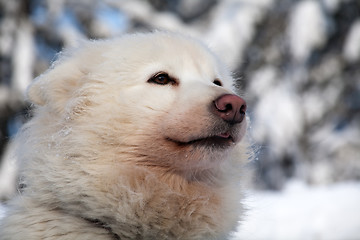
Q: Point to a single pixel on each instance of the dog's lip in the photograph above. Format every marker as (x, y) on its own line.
(224, 135)
(217, 140)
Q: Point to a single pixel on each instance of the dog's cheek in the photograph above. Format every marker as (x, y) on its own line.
(158, 152)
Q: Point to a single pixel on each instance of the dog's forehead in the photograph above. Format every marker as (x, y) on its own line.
(182, 57)
(184, 62)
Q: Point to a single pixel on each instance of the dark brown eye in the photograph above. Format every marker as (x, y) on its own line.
(217, 82)
(161, 79)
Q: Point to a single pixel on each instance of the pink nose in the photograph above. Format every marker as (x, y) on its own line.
(230, 108)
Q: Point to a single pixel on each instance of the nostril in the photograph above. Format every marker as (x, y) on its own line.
(228, 108)
(223, 106)
(242, 112)
(243, 108)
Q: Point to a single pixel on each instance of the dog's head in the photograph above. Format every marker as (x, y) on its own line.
(159, 100)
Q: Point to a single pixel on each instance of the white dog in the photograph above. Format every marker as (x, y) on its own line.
(132, 138)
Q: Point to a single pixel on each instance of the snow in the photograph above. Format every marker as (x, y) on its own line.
(8, 173)
(316, 102)
(339, 147)
(234, 27)
(144, 12)
(69, 28)
(2, 211)
(303, 212)
(352, 43)
(333, 5)
(23, 57)
(262, 80)
(307, 29)
(278, 117)
(109, 21)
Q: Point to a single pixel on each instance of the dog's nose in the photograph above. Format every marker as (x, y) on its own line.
(230, 108)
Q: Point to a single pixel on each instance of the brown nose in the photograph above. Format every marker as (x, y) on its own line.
(230, 108)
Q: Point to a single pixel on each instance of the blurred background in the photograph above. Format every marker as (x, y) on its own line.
(298, 62)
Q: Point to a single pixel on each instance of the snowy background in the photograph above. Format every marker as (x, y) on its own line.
(298, 62)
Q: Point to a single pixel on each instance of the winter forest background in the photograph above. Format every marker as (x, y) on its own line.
(298, 62)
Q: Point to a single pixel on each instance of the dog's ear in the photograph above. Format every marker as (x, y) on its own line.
(56, 85)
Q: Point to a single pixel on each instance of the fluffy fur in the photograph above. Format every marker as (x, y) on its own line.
(112, 155)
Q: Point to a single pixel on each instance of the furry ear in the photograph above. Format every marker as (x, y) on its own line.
(56, 85)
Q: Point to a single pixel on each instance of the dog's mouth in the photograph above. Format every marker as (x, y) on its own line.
(222, 140)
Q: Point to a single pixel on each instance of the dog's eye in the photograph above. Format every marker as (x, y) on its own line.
(217, 82)
(162, 79)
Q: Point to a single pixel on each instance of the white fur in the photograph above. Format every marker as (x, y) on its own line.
(97, 160)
